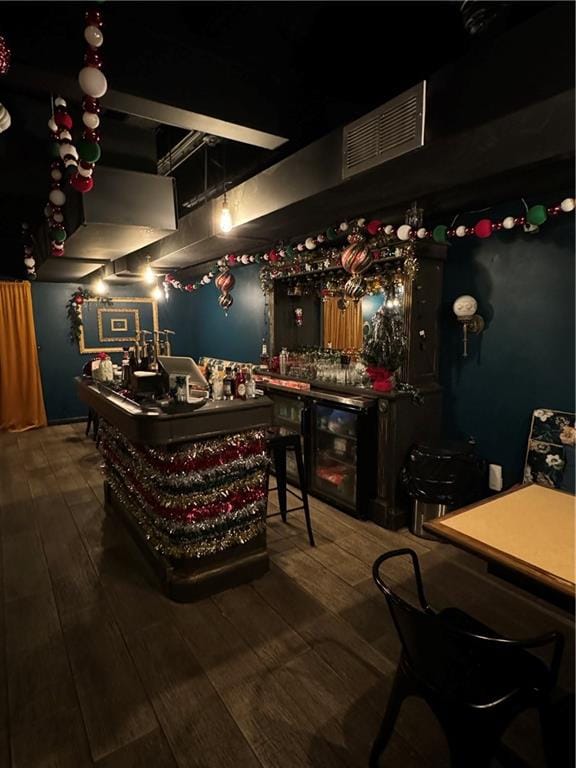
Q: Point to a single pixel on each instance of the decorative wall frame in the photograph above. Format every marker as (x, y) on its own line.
(116, 324)
(551, 451)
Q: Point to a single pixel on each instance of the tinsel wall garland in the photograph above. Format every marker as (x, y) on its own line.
(193, 501)
(356, 244)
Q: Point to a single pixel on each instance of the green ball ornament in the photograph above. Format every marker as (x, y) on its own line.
(55, 150)
(537, 215)
(290, 252)
(58, 235)
(331, 233)
(439, 234)
(88, 151)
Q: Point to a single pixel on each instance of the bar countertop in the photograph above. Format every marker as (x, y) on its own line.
(157, 427)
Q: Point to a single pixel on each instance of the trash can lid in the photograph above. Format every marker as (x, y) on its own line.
(445, 448)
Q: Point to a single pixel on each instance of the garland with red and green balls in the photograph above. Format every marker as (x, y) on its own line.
(361, 236)
(75, 164)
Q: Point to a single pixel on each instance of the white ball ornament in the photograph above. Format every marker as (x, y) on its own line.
(5, 119)
(56, 174)
(58, 217)
(70, 161)
(404, 232)
(567, 205)
(252, 258)
(388, 229)
(92, 82)
(29, 263)
(245, 259)
(59, 101)
(52, 125)
(509, 222)
(421, 233)
(57, 197)
(343, 227)
(68, 149)
(310, 244)
(461, 231)
(90, 120)
(93, 36)
(87, 172)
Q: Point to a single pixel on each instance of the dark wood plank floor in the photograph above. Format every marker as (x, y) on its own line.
(97, 668)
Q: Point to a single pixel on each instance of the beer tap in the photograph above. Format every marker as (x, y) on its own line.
(167, 346)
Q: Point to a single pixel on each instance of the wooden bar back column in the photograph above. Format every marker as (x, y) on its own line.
(191, 487)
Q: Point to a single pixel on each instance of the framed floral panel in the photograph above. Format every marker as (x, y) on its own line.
(551, 450)
(110, 328)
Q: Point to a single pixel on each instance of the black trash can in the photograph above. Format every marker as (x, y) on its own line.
(440, 477)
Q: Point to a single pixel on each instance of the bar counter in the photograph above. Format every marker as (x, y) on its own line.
(191, 486)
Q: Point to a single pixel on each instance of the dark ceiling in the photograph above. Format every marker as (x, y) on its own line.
(294, 69)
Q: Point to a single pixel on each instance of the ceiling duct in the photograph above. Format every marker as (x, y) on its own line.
(125, 211)
(389, 131)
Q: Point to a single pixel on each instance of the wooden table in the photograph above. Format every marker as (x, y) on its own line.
(528, 531)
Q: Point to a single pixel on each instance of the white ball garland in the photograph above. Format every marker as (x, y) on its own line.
(388, 229)
(509, 222)
(421, 233)
(310, 244)
(92, 82)
(93, 36)
(403, 232)
(57, 197)
(91, 120)
(567, 205)
(461, 231)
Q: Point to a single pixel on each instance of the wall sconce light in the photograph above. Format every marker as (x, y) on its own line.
(225, 216)
(157, 293)
(100, 288)
(465, 310)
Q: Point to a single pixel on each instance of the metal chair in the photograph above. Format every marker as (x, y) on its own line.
(280, 440)
(475, 681)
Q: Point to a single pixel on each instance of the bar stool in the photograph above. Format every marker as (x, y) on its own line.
(94, 422)
(280, 440)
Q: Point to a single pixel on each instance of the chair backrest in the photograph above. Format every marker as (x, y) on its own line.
(445, 657)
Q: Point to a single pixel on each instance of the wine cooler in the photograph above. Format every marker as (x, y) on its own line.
(342, 455)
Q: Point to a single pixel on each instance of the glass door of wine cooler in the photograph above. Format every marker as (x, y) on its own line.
(342, 456)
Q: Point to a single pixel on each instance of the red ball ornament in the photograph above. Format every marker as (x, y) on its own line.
(231, 258)
(273, 256)
(90, 104)
(93, 17)
(189, 287)
(91, 136)
(79, 300)
(93, 59)
(63, 120)
(483, 228)
(5, 56)
(373, 226)
(82, 183)
(56, 249)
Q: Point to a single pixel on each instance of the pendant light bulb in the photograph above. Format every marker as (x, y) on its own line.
(100, 287)
(157, 293)
(148, 275)
(225, 216)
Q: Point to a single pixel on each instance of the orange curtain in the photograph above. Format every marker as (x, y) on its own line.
(21, 399)
(343, 329)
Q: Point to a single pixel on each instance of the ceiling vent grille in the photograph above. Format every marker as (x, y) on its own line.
(391, 130)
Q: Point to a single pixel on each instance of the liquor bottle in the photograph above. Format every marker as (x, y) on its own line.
(228, 389)
(209, 376)
(283, 361)
(241, 384)
(218, 384)
(250, 384)
(264, 359)
(125, 367)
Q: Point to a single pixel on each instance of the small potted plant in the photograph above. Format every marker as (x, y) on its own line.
(384, 348)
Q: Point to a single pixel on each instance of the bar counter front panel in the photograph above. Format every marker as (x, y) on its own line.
(190, 486)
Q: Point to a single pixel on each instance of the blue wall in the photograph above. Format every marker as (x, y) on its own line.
(524, 285)
(236, 336)
(60, 360)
